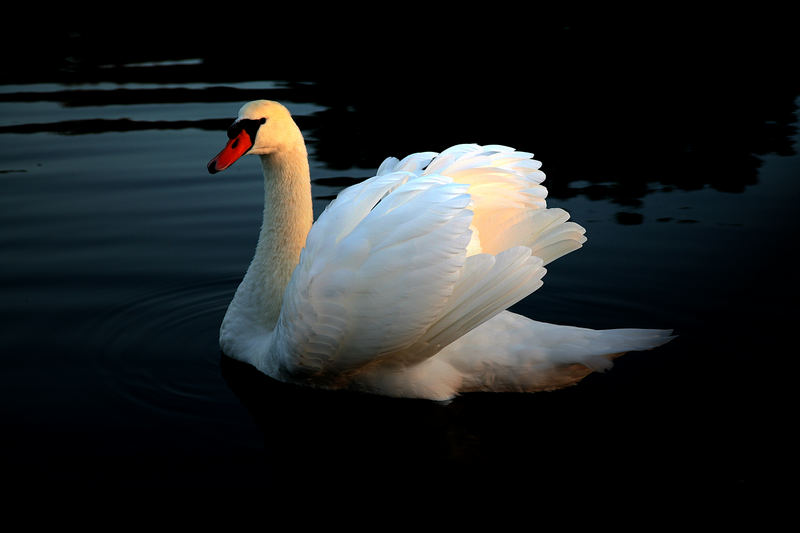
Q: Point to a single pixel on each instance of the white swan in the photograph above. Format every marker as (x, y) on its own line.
(401, 285)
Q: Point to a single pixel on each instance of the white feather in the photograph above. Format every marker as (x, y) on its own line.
(404, 280)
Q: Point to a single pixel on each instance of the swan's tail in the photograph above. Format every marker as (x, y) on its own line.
(513, 353)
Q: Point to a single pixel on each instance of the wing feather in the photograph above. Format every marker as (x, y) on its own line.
(408, 261)
(376, 290)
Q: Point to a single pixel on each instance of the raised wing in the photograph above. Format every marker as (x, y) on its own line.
(400, 265)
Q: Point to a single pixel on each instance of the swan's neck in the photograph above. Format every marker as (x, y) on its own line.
(288, 215)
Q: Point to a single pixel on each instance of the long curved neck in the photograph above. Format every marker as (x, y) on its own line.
(288, 215)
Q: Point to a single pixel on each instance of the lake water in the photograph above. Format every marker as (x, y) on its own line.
(120, 254)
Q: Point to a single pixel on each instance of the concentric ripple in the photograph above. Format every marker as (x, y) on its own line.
(160, 351)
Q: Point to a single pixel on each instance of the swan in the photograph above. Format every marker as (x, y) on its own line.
(400, 288)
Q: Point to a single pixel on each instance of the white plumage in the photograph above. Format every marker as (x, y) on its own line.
(402, 284)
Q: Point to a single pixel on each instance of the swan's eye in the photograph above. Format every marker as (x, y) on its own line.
(234, 130)
(248, 124)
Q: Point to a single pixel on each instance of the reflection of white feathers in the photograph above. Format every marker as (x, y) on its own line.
(404, 281)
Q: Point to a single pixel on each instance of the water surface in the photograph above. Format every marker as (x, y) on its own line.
(120, 254)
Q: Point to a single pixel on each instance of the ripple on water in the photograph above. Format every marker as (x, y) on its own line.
(160, 351)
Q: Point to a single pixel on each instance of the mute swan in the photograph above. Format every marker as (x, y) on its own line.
(401, 286)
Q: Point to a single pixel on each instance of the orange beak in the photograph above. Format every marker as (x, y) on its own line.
(236, 148)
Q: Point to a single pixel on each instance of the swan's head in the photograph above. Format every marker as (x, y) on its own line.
(263, 127)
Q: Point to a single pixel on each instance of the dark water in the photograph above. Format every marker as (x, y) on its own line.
(120, 254)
